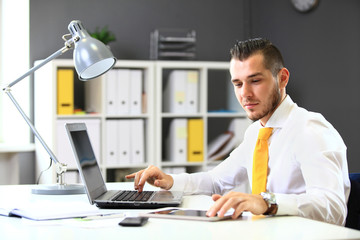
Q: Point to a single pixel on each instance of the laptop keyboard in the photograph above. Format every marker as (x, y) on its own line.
(133, 196)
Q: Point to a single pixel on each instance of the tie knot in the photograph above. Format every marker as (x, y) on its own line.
(265, 133)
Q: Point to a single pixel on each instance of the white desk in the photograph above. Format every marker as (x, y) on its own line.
(256, 227)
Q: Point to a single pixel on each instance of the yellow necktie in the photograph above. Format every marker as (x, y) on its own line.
(260, 161)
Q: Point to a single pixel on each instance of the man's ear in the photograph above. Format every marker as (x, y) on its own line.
(283, 77)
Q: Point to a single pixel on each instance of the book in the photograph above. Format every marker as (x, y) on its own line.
(195, 140)
(65, 91)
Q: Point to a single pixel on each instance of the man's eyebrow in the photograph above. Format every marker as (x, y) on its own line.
(255, 75)
(250, 76)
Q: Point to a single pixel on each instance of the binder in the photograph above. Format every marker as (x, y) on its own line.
(135, 92)
(137, 138)
(181, 93)
(63, 148)
(111, 92)
(123, 93)
(220, 146)
(174, 94)
(174, 170)
(93, 100)
(177, 141)
(124, 142)
(112, 151)
(238, 126)
(192, 92)
(65, 91)
(195, 140)
(72, 177)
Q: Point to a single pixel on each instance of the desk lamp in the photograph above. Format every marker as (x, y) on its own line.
(91, 59)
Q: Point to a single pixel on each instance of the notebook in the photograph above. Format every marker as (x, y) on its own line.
(95, 185)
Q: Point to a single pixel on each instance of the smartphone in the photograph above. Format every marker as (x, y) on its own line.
(134, 221)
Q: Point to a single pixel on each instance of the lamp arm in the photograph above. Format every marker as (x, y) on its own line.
(33, 129)
(60, 167)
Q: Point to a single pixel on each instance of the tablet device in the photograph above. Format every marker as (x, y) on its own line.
(183, 214)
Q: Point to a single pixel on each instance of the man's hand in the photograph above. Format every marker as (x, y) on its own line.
(240, 202)
(153, 176)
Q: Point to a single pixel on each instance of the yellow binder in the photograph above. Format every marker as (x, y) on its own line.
(65, 91)
(195, 140)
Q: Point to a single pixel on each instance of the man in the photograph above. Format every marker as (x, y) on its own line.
(307, 172)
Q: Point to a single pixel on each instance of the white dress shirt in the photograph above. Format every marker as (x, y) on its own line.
(307, 167)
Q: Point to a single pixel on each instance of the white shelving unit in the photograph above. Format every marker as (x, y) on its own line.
(214, 83)
(94, 91)
(214, 89)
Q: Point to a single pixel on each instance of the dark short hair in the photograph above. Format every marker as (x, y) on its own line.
(273, 59)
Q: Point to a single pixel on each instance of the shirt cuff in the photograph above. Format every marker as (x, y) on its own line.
(287, 204)
(179, 182)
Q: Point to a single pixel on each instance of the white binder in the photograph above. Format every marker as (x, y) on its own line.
(111, 92)
(112, 150)
(174, 170)
(123, 92)
(238, 126)
(124, 142)
(177, 141)
(64, 151)
(72, 177)
(192, 92)
(135, 92)
(174, 93)
(137, 138)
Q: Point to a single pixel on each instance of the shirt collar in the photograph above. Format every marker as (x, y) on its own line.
(281, 114)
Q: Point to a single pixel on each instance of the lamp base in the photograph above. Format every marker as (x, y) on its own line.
(59, 189)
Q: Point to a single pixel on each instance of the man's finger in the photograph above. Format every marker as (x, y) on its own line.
(130, 176)
(216, 207)
(137, 179)
(215, 197)
(232, 202)
(142, 179)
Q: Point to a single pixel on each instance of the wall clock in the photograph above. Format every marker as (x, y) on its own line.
(305, 5)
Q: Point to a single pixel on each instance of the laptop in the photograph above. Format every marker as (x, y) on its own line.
(95, 185)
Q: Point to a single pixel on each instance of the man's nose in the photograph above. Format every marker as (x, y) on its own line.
(246, 90)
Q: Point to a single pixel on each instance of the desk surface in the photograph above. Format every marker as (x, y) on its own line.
(249, 227)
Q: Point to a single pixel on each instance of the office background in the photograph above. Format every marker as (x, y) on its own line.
(321, 48)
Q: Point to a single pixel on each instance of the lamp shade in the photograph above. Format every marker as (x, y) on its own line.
(91, 57)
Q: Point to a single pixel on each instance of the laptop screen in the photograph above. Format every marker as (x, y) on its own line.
(87, 163)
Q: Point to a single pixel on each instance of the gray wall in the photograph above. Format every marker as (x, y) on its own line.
(320, 48)
(322, 51)
(132, 21)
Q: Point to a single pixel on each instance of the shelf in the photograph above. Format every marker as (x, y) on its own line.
(188, 164)
(76, 116)
(227, 115)
(127, 116)
(182, 115)
(214, 92)
(127, 166)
